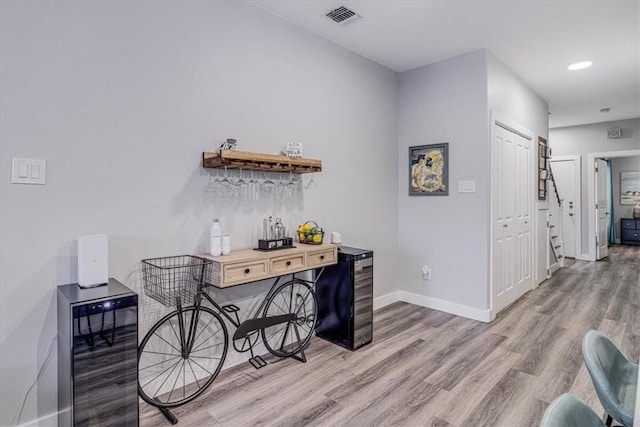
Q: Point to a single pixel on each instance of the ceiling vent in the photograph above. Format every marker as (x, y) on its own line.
(343, 16)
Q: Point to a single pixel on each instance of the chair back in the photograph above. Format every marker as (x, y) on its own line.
(614, 377)
(570, 411)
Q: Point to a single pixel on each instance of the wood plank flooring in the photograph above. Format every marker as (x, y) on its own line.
(428, 368)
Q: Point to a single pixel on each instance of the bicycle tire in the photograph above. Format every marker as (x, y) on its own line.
(160, 355)
(294, 296)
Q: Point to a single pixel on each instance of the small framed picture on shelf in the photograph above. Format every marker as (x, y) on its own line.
(429, 170)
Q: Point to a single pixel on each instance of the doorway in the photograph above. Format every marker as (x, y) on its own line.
(592, 242)
(566, 173)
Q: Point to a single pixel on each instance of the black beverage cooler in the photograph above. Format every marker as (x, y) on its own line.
(97, 355)
(345, 299)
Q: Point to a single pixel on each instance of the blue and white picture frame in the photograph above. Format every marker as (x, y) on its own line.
(629, 188)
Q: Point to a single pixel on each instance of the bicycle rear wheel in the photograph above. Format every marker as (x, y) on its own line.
(297, 297)
(168, 374)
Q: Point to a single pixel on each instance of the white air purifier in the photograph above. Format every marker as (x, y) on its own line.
(93, 260)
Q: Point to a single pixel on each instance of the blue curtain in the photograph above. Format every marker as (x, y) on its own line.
(610, 222)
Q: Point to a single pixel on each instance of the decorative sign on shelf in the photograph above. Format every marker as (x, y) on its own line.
(294, 149)
(229, 144)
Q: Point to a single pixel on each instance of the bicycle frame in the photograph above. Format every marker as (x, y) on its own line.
(235, 321)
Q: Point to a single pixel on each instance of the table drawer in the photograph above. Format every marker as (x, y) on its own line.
(631, 235)
(283, 264)
(246, 271)
(321, 257)
(628, 224)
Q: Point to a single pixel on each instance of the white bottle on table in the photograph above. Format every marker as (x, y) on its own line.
(215, 238)
(226, 245)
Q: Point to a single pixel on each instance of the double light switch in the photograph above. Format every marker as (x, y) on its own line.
(28, 171)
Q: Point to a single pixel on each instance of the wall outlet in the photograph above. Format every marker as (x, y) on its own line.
(426, 272)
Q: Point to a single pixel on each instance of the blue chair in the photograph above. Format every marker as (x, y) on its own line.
(570, 411)
(614, 377)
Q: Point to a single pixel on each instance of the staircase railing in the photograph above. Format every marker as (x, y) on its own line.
(555, 240)
(555, 187)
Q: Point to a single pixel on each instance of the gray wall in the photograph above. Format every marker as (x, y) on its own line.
(450, 102)
(446, 102)
(121, 98)
(582, 140)
(622, 164)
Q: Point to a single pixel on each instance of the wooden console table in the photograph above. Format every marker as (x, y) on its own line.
(249, 265)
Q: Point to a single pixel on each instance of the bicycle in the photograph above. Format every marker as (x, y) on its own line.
(183, 353)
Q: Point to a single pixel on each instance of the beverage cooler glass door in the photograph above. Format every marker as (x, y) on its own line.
(105, 363)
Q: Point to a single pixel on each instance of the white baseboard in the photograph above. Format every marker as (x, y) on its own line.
(434, 303)
(387, 299)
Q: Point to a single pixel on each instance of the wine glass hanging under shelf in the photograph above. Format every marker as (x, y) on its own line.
(232, 159)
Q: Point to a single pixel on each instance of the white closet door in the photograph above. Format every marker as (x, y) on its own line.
(503, 170)
(512, 180)
(523, 211)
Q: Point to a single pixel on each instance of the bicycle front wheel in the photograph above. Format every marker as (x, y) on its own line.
(297, 297)
(172, 373)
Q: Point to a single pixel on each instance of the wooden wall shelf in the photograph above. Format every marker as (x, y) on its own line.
(233, 159)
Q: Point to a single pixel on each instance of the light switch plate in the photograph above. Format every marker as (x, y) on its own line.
(466, 186)
(28, 171)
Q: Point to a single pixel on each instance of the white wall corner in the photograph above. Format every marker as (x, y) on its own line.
(482, 315)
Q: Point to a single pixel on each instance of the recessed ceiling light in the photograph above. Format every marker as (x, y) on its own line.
(580, 65)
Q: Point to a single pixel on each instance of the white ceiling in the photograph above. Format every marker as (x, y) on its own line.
(537, 39)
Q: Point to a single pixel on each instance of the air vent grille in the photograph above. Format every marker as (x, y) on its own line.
(343, 16)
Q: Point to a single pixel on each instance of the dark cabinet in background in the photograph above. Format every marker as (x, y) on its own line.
(345, 299)
(97, 355)
(630, 231)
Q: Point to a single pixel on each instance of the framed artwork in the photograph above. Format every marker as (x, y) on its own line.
(629, 188)
(429, 170)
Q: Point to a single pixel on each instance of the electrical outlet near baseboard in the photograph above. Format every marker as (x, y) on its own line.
(426, 272)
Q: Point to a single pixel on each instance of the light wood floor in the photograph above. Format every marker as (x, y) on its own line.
(426, 367)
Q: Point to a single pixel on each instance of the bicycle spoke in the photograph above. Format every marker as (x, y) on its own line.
(203, 342)
(193, 373)
(202, 367)
(165, 380)
(171, 345)
(205, 357)
(290, 299)
(176, 381)
(159, 363)
(282, 309)
(205, 348)
(157, 376)
(284, 338)
(203, 329)
(162, 354)
(174, 331)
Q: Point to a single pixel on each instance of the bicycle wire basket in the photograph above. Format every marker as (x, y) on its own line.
(167, 278)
